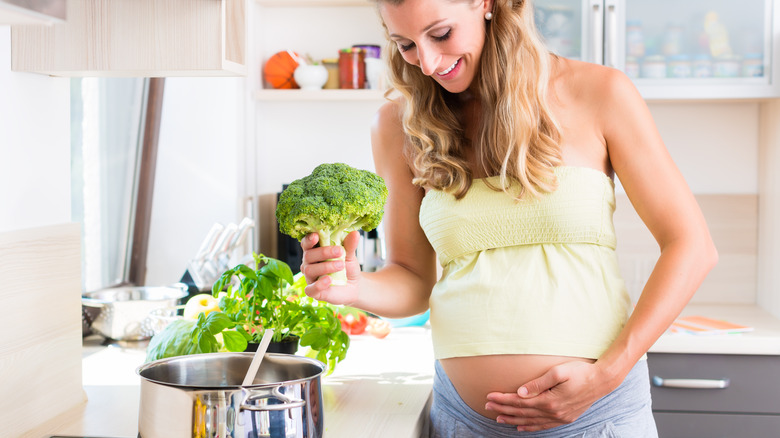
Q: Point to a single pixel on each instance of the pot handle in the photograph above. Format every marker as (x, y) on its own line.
(258, 394)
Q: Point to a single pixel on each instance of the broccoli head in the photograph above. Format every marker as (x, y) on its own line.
(334, 200)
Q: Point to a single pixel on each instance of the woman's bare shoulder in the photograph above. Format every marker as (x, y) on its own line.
(389, 115)
(592, 82)
(387, 127)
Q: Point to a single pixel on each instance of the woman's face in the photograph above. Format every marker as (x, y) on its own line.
(442, 37)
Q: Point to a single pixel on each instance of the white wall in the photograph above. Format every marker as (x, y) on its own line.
(34, 146)
(715, 145)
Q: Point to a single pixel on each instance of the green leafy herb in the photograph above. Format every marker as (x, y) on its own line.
(271, 297)
(252, 300)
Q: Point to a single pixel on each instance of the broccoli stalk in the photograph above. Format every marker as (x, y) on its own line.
(334, 200)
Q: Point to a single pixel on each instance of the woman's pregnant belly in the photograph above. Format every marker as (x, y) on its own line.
(474, 377)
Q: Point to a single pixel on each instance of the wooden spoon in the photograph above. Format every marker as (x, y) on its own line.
(259, 354)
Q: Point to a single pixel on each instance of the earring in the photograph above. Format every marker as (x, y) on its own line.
(488, 16)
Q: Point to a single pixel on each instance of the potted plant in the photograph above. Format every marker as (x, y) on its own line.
(269, 296)
(250, 301)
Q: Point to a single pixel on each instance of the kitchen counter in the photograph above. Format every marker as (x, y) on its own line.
(382, 389)
(763, 340)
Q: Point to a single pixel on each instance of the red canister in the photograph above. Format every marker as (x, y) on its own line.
(352, 68)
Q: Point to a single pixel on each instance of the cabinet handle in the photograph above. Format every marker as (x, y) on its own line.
(691, 383)
(597, 32)
(611, 34)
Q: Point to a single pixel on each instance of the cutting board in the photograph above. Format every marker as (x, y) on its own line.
(40, 323)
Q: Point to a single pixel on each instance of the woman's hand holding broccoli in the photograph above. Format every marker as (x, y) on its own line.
(324, 210)
(318, 263)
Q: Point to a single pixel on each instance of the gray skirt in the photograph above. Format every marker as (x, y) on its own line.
(625, 412)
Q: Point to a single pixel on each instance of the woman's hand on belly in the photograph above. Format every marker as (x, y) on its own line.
(558, 397)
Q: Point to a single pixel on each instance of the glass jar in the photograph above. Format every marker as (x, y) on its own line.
(702, 66)
(753, 65)
(332, 65)
(654, 67)
(352, 68)
(727, 66)
(673, 40)
(679, 66)
(635, 40)
(371, 50)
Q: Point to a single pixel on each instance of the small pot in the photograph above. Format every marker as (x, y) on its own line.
(201, 396)
(311, 76)
(288, 345)
(124, 311)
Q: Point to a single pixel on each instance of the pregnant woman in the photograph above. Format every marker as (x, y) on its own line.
(500, 160)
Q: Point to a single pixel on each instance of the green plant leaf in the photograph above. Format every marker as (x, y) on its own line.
(216, 322)
(234, 341)
(202, 342)
(246, 271)
(315, 338)
(222, 281)
(279, 269)
(265, 287)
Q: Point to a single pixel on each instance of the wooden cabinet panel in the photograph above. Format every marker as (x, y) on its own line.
(141, 38)
(40, 356)
(32, 11)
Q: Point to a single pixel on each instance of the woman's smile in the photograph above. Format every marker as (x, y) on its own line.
(445, 74)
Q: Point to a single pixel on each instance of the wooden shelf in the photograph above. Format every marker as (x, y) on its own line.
(272, 95)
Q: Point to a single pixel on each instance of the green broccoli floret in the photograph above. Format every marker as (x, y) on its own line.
(333, 201)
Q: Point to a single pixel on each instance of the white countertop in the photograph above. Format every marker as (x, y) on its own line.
(381, 389)
(763, 340)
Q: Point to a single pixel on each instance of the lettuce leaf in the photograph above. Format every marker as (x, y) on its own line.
(177, 340)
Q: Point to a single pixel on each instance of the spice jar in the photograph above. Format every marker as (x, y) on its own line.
(679, 66)
(352, 68)
(332, 65)
(753, 65)
(654, 67)
(727, 66)
(371, 50)
(702, 66)
(635, 40)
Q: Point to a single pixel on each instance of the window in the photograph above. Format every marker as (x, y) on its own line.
(112, 167)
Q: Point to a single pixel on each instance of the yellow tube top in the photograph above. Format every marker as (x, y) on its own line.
(535, 276)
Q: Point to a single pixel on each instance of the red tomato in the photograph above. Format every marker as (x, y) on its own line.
(378, 327)
(353, 325)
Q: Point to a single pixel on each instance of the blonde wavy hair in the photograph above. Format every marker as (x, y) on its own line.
(518, 139)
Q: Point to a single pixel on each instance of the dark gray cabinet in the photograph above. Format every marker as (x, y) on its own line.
(715, 395)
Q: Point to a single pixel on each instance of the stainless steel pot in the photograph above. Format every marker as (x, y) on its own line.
(201, 396)
(124, 311)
